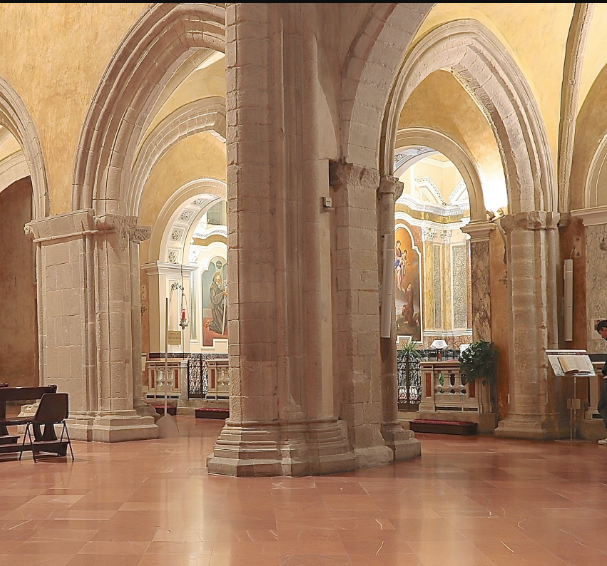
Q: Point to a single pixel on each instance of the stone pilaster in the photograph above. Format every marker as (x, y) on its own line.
(283, 418)
(480, 279)
(85, 324)
(402, 442)
(595, 228)
(536, 403)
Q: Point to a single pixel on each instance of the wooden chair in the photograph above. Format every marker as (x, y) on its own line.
(52, 410)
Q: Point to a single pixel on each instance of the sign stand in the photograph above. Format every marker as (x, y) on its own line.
(574, 364)
(166, 424)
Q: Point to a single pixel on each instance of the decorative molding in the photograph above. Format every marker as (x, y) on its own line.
(479, 231)
(591, 216)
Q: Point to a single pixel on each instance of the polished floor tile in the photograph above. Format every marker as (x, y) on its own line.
(473, 501)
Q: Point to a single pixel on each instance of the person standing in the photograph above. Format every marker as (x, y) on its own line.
(601, 328)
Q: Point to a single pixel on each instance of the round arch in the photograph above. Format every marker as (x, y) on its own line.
(173, 207)
(411, 137)
(17, 120)
(155, 46)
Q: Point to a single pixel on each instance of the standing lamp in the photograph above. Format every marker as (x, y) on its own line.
(439, 346)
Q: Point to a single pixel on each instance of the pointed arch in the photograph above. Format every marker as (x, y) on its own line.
(204, 115)
(15, 117)
(487, 71)
(155, 46)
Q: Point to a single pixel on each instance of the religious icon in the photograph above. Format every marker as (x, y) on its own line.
(407, 286)
(215, 302)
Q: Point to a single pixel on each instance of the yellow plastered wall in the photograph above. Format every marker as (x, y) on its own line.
(53, 56)
(535, 34)
(440, 103)
(195, 157)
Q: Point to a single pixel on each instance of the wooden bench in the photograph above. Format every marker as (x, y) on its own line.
(444, 427)
(46, 439)
(171, 409)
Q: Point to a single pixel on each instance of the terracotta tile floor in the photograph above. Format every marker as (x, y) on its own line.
(471, 501)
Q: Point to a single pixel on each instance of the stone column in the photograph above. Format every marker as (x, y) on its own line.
(535, 400)
(139, 234)
(480, 278)
(85, 324)
(282, 419)
(356, 299)
(428, 236)
(402, 442)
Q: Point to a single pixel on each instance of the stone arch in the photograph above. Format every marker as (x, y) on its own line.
(175, 204)
(12, 169)
(155, 46)
(15, 117)
(487, 71)
(596, 171)
(204, 115)
(369, 71)
(411, 137)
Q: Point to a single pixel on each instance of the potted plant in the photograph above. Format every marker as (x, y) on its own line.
(478, 362)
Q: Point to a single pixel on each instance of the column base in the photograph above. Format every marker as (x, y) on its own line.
(530, 428)
(112, 427)
(281, 449)
(402, 442)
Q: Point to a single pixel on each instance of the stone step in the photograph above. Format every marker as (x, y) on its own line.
(444, 427)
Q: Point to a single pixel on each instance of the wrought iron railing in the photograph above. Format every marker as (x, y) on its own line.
(198, 374)
(409, 381)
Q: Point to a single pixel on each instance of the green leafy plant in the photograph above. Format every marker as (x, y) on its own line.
(410, 350)
(479, 362)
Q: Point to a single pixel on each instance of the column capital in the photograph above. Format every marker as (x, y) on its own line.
(479, 231)
(62, 226)
(530, 221)
(342, 173)
(390, 185)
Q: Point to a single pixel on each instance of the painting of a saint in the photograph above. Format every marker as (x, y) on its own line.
(215, 302)
(407, 286)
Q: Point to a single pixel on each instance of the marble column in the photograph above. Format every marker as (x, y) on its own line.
(536, 410)
(84, 266)
(402, 442)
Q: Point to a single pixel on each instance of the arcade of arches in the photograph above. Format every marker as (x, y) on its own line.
(245, 174)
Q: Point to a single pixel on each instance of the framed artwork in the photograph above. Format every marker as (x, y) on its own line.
(214, 301)
(407, 287)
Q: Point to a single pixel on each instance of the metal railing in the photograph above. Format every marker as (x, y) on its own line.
(198, 374)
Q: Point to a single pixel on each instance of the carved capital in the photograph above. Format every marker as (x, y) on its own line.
(534, 220)
(479, 231)
(344, 174)
(389, 185)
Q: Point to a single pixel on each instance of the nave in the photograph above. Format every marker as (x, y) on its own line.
(475, 500)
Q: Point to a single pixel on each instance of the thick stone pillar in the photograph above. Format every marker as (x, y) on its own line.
(282, 418)
(85, 324)
(402, 442)
(536, 410)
